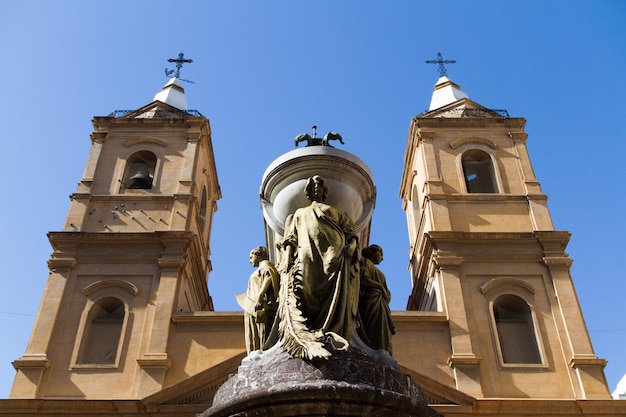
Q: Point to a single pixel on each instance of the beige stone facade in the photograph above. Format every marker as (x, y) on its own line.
(481, 235)
(134, 250)
(132, 261)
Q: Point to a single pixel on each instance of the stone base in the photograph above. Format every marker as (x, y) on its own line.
(350, 383)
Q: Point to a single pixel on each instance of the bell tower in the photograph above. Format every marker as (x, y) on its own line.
(483, 250)
(134, 250)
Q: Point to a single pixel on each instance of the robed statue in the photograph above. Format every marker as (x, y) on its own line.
(374, 311)
(319, 294)
(260, 302)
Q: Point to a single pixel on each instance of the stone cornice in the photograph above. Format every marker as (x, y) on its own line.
(495, 237)
(154, 360)
(60, 262)
(553, 242)
(505, 407)
(506, 124)
(419, 316)
(209, 317)
(558, 261)
(135, 247)
(500, 407)
(463, 359)
(579, 361)
(487, 197)
(104, 122)
(79, 237)
(32, 361)
(448, 260)
(450, 248)
(171, 262)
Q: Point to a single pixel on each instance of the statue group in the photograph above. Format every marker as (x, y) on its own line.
(324, 294)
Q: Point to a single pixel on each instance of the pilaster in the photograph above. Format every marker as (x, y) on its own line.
(97, 140)
(588, 368)
(464, 362)
(30, 369)
(155, 362)
(31, 366)
(152, 374)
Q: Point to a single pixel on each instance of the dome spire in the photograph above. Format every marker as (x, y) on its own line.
(445, 91)
(173, 92)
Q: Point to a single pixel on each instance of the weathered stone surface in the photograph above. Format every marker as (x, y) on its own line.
(350, 383)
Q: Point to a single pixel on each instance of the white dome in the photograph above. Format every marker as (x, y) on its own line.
(350, 182)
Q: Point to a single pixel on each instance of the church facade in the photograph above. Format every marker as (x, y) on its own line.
(126, 324)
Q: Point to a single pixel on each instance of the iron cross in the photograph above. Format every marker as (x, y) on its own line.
(179, 63)
(441, 61)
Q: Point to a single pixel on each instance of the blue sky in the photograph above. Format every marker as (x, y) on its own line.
(267, 71)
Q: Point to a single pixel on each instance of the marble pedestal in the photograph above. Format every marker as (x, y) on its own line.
(350, 383)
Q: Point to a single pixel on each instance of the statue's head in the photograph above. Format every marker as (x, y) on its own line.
(258, 254)
(316, 189)
(374, 253)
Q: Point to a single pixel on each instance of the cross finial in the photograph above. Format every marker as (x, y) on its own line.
(441, 61)
(179, 64)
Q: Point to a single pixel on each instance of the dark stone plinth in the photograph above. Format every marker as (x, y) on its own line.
(350, 383)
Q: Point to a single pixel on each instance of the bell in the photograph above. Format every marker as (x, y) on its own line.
(141, 179)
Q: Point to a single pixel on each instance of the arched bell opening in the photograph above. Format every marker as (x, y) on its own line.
(140, 170)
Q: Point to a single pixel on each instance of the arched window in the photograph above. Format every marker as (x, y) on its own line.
(478, 172)
(202, 211)
(416, 207)
(516, 331)
(102, 333)
(140, 170)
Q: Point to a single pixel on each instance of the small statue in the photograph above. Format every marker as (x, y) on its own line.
(319, 277)
(374, 301)
(332, 136)
(315, 141)
(260, 300)
(303, 137)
